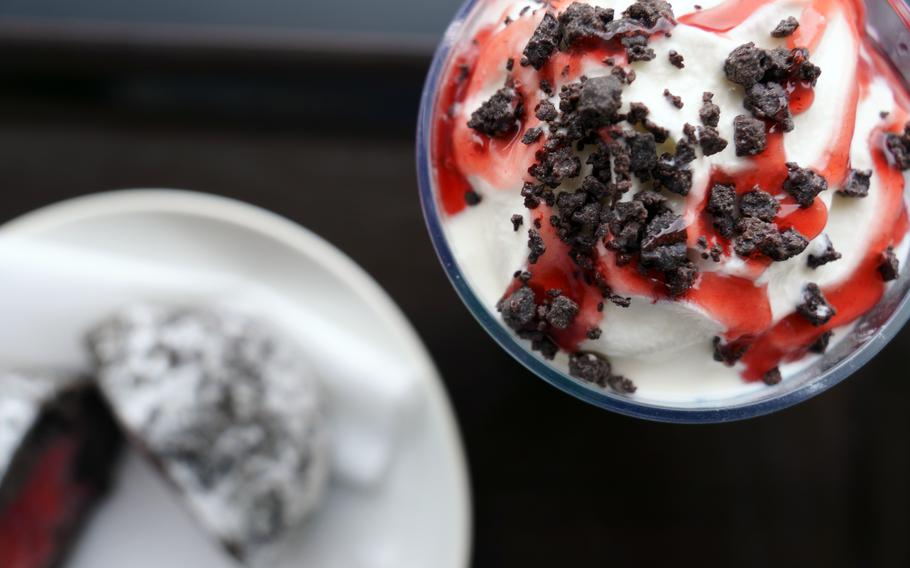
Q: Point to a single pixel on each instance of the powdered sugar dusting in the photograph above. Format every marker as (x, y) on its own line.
(228, 409)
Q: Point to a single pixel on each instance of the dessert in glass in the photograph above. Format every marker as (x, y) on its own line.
(688, 210)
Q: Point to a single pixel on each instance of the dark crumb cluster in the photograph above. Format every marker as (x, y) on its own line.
(856, 184)
(675, 100)
(709, 112)
(889, 267)
(815, 308)
(803, 184)
(595, 369)
(772, 377)
(749, 136)
(729, 353)
(676, 60)
(499, 116)
(764, 74)
(828, 255)
(748, 220)
(785, 28)
(820, 345)
(582, 23)
(898, 148)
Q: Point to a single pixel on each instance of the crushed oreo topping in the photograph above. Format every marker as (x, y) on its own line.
(517, 222)
(500, 115)
(637, 48)
(722, 207)
(757, 236)
(803, 184)
(675, 100)
(546, 111)
(856, 184)
(596, 369)
(673, 175)
(472, 198)
(676, 60)
(815, 308)
(785, 28)
(773, 377)
(749, 136)
(889, 267)
(536, 246)
(759, 204)
(828, 255)
(562, 312)
(770, 101)
(710, 140)
(747, 65)
(709, 112)
(543, 43)
(820, 345)
(532, 135)
(729, 353)
(898, 148)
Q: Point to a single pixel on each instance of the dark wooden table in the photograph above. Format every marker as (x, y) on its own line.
(556, 482)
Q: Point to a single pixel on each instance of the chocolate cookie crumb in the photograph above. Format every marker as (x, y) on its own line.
(536, 245)
(546, 87)
(746, 65)
(472, 198)
(709, 112)
(785, 28)
(803, 184)
(749, 136)
(594, 333)
(532, 135)
(815, 308)
(828, 255)
(546, 111)
(675, 100)
(543, 43)
(676, 60)
(562, 312)
(599, 101)
(498, 116)
(672, 175)
(722, 207)
(710, 140)
(820, 345)
(517, 222)
(759, 204)
(580, 22)
(637, 48)
(772, 377)
(890, 265)
(856, 184)
(510, 64)
(770, 101)
(898, 147)
(595, 369)
(519, 309)
(729, 353)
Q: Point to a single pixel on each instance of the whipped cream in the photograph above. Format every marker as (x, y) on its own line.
(665, 344)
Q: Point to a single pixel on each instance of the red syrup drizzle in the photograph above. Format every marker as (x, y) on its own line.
(736, 302)
(43, 509)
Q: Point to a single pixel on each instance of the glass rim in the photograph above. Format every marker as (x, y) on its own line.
(563, 381)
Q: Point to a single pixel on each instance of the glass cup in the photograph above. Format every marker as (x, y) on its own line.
(889, 23)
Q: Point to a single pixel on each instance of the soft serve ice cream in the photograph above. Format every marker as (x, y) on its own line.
(672, 199)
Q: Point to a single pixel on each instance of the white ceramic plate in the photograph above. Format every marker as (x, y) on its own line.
(420, 515)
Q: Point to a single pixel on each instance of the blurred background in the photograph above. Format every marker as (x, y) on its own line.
(308, 109)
